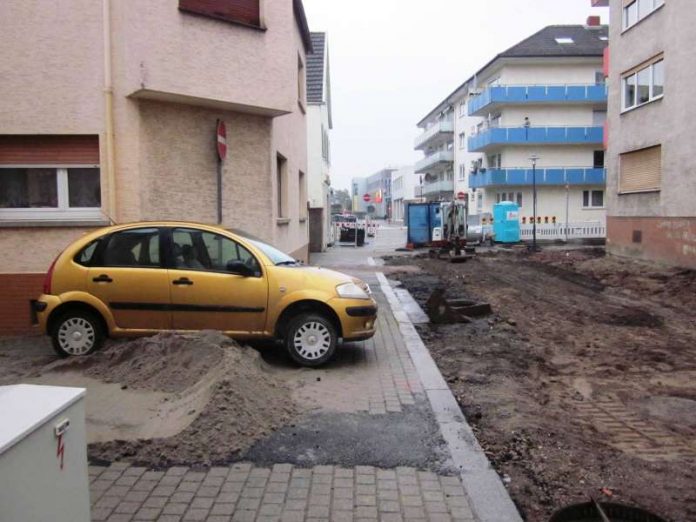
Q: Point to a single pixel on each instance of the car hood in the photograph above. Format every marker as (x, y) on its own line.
(325, 275)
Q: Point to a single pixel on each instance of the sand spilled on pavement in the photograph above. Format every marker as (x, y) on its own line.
(217, 399)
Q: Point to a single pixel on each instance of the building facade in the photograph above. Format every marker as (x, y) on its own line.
(652, 120)
(546, 98)
(403, 191)
(319, 125)
(109, 113)
(378, 188)
(436, 168)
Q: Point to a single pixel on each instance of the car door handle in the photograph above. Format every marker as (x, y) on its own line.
(103, 278)
(183, 281)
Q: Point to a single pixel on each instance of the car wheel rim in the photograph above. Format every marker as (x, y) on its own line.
(312, 340)
(76, 336)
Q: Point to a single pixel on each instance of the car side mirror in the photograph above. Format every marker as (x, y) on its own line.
(239, 268)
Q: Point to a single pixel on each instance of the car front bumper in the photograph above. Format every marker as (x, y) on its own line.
(358, 318)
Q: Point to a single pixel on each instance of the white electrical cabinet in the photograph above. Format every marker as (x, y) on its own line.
(43, 454)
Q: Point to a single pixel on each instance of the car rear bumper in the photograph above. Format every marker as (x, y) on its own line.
(41, 309)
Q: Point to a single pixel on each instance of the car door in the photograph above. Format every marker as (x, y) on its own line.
(128, 275)
(204, 294)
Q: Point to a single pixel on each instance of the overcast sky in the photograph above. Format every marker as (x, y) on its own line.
(392, 61)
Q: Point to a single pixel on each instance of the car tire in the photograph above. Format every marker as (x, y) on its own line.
(310, 339)
(77, 333)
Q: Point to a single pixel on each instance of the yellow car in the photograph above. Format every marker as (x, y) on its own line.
(142, 278)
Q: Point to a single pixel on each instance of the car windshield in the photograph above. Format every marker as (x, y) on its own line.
(276, 256)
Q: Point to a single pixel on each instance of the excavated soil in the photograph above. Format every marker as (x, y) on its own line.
(582, 381)
(171, 399)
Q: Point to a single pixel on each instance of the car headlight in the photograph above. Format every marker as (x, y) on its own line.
(351, 291)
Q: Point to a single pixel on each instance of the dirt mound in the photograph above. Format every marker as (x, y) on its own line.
(233, 400)
(167, 362)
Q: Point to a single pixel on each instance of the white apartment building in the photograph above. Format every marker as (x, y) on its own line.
(319, 125)
(436, 169)
(543, 97)
(404, 184)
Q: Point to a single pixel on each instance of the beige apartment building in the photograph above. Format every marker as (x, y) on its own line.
(651, 185)
(108, 114)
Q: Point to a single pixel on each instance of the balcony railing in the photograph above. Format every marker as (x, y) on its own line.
(544, 176)
(436, 161)
(443, 185)
(441, 132)
(533, 94)
(535, 135)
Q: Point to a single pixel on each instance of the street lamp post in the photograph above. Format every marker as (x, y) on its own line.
(534, 159)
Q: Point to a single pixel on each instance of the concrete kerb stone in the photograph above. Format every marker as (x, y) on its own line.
(486, 493)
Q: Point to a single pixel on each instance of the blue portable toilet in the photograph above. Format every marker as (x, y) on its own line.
(506, 222)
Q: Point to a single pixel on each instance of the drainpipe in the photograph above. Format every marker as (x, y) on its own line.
(109, 111)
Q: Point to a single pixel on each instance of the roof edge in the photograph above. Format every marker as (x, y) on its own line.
(301, 17)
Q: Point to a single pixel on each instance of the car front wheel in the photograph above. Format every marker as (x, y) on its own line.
(311, 339)
(77, 333)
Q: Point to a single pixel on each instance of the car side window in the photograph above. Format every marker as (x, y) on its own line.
(133, 248)
(86, 256)
(201, 250)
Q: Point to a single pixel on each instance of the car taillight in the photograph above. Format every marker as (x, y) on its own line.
(49, 276)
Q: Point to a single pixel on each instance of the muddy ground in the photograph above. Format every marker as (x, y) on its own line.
(582, 381)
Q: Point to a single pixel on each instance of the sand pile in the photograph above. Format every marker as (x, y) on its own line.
(233, 399)
(167, 362)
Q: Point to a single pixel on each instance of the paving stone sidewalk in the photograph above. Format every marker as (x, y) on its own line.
(243, 492)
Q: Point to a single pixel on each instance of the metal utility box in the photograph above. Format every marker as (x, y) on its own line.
(43, 454)
(506, 222)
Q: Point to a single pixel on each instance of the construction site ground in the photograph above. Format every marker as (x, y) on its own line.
(583, 379)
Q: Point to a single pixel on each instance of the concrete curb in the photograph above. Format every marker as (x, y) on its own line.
(488, 498)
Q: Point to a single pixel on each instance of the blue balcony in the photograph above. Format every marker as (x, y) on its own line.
(544, 176)
(535, 94)
(501, 136)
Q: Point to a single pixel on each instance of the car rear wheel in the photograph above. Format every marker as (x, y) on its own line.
(77, 333)
(310, 339)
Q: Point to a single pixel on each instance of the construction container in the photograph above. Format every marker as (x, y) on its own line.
(421, 219)
(506, 222)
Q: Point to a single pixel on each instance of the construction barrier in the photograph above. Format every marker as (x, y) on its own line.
(354, 231)
(555, 231)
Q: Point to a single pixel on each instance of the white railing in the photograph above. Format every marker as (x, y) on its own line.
(444, 157)
(441, 127)
(554, 231)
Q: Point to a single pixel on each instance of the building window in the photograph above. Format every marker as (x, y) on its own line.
(246, 12)
(519, 199)
(640, 170)
(644, 84)
(302, 180)
(635, 11)
(50, 193)
(598, 159)
(300, 81)
(462, 109)
(462, 172)
(592, 199)
(462, 140)
(282, 186)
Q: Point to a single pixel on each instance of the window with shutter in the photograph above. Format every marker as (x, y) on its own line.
(641, 170)
(241, 11)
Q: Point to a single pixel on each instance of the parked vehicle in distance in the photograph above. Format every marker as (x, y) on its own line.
(142, 278)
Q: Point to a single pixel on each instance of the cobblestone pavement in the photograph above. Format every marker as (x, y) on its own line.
(375, 379)
(281, 493)
(375, 376)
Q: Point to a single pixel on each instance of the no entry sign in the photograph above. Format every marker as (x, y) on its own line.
(221, 139)
(366, 198)
(461, 195)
